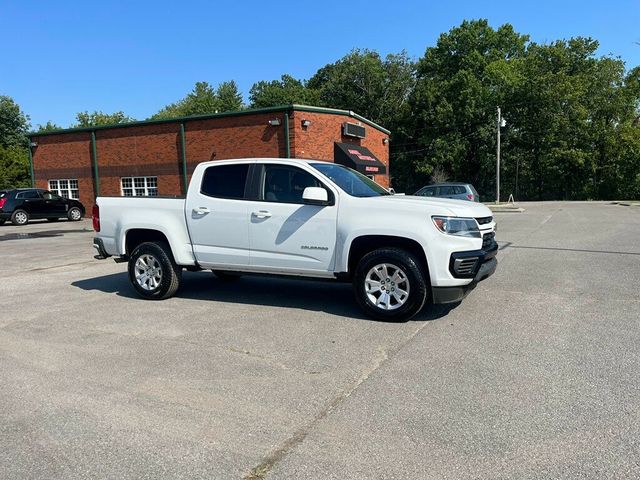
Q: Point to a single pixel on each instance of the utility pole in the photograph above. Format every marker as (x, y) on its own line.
(499, 124)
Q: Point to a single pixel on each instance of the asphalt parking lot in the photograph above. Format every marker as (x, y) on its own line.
(535, 375)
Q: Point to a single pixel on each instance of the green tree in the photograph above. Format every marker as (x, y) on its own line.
(14, 156)
(286, 91)
(98, 119)
(229, 97)
(14, 124)
(202, 100)
(451, 116)
(375, 87)
(48, 127)
(14, 167)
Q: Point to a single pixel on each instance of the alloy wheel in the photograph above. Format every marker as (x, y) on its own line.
(148, 272)
(387, 286)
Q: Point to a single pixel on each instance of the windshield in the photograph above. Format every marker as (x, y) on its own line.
(352, 182)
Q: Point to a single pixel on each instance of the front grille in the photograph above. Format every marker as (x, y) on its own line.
(484, 220)
(488, 240)
(465, 266)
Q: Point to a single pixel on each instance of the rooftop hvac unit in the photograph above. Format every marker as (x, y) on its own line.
(353, 130)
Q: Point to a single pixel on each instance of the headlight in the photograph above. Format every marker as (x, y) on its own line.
(461, 227)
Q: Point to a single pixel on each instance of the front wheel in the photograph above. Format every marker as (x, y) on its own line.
(153, 272)
(390, 285)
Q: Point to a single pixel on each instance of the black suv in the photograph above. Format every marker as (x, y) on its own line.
(22, 204)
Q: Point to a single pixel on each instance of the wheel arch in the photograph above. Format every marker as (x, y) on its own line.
(364, 244)
(136, 236)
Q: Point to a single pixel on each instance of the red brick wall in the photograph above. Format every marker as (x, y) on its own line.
(147, 150)
(65, 156)
(317, 140)
(234, 137)
(155, 150)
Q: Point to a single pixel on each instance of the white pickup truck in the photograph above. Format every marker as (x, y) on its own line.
(303, 218)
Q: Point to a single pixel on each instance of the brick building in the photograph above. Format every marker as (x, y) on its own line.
(156, 157)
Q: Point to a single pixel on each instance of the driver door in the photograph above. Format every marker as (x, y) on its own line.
(286, 233)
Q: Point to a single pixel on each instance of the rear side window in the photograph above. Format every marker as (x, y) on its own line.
(445, 190)
(225, 181)
(28, 194)
(460, 190)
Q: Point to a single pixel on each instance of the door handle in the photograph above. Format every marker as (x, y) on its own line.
(201, 211)
(261, 214)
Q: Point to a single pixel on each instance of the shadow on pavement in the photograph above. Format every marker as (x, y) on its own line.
(45, 234)
(329, 297)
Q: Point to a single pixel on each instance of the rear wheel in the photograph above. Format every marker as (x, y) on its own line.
(390, 285)
(153, 272)
(20, 217)
(74, 214)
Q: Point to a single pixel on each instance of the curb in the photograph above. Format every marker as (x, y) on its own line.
(505, 209)
(627, 204)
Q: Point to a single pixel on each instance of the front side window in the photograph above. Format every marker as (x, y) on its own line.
(285, 184)
(225, 181)
(352, 182)
(50, 196)
(139, 186)
(65, 187)
(427, 192)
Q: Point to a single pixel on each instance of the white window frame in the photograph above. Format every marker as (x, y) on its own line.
(69, 190)
(139, 186)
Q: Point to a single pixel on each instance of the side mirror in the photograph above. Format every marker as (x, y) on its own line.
(392, 191)
(315, 196)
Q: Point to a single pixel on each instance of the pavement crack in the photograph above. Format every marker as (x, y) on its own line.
(260, 471)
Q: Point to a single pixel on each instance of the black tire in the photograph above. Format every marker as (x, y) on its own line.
(20, 217)
(52, 219)
(74, 214)
(227, 276)
(156, 255)
(411, 276)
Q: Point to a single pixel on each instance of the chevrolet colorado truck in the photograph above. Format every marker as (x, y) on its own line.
(303, 218)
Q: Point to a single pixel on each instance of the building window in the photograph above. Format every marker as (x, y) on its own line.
(139, 186)
(67, 188)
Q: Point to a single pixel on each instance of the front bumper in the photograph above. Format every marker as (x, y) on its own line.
(476, 264)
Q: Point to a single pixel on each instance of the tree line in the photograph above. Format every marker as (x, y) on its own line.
(572, 117)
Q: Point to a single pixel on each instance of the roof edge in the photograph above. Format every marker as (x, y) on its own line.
(253, 111)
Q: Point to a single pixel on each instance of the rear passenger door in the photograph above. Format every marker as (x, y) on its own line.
(446, 191)
(218, 218)
(32, 202)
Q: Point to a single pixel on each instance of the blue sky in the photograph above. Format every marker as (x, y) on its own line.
(59, 58)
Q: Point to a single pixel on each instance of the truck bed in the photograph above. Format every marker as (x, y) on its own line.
(164, 214)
